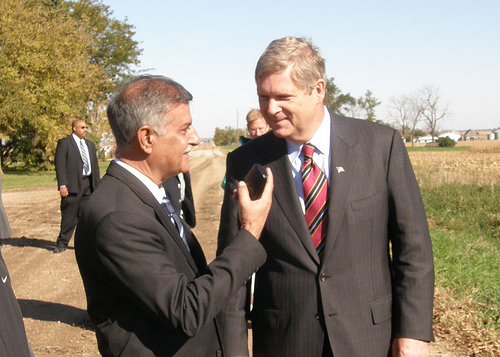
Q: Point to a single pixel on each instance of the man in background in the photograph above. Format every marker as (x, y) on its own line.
(77, 174)
(256, 125)
(349, 269)
(178, 189)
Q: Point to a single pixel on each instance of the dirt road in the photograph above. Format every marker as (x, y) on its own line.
(48, 286)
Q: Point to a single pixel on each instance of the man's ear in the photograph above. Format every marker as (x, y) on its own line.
(320, 90)
(146, 138)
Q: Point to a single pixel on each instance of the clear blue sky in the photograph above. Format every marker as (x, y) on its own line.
(389, 47)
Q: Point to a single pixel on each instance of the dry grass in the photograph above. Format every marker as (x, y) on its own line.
(485, 146)
(479, 165)
(456, 317)
(455, 321)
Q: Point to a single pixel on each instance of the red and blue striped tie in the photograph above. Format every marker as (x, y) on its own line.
(315, 188)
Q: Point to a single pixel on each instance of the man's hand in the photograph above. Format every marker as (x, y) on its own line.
(253, 214)
(63, 191)
(407, 347)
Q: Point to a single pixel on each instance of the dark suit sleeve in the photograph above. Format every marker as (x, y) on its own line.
(96, 175)
(146, 264)
(60, 162)
(188, 202)
(413, 270)
(233, 319)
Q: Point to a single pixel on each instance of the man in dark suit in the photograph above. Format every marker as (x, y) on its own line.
(77, 174)
(348, 294)
(149, 289)
(178, 189)
(13, 340)
(5, 231)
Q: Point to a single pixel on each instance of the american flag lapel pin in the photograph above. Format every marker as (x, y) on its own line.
(340, 169)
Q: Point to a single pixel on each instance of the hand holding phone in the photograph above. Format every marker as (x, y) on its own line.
(255, 181)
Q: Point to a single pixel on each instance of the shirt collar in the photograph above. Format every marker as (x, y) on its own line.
(76, 138)
(157, 192)
(320, 139)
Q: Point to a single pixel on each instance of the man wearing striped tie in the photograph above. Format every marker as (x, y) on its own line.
(349, 269)
(77, 174)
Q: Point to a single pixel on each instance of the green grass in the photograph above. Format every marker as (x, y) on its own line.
(465, 230)
(13, 179)
(466, 208)
(228, 148)
(26, 179)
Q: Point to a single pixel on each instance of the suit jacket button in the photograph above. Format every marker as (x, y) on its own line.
(219, 353)
(318, 316)
(322, 277)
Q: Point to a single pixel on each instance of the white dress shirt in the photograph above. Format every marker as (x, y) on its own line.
(321, 156)
(77, 141)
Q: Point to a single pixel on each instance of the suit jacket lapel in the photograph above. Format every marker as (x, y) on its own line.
(77, 152)
(342, 171)
(286, 195)
(147, 197)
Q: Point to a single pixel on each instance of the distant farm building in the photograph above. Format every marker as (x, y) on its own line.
(427, 139)
(454, 136)
(470, 135)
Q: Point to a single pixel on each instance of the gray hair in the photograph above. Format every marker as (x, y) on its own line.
(145, 100)
(307, 65)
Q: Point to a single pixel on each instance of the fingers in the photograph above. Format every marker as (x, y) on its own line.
(253, 214)
(242, 192)
(268, 189)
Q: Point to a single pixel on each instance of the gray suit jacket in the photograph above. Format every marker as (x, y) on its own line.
(146, 294)
(357, 295)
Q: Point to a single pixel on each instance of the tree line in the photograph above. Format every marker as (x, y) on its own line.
(406, 112)
(336, 102)
(59, 61)
(423, 105)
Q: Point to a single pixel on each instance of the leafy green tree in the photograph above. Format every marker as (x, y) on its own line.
(59, 61)
(336, 101)
(46, 77)
(369, 103)
(446, 142)
(345, 104)
(113, 47)
(227, 136)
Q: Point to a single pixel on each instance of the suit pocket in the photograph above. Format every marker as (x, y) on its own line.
(381, 309)
(268, 318)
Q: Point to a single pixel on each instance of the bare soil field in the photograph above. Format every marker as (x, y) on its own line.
(48, 286)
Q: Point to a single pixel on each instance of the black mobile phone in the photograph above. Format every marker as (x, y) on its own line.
(256, 180)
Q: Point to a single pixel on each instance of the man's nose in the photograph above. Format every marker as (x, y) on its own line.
(273, 107)
(194, 139)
